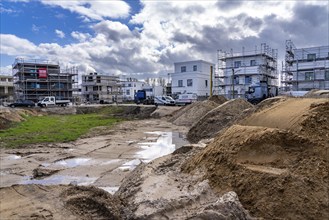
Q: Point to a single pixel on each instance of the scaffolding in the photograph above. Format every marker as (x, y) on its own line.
(36, 79)
(237, 71)
(305, 68)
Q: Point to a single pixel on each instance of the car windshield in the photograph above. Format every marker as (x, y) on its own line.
(169, 98)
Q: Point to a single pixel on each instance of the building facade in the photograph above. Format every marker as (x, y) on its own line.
(238, 71)
(192, 77)
(305, 68)
(6, 88)
(96, 88)
(35, 79)
(129, 87)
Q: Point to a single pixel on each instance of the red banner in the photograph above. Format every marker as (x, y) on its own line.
(42, 73)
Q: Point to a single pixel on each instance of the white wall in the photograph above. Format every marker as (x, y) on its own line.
(198, 78)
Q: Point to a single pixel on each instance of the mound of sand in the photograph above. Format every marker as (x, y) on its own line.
(216, 119)
(276, 173)
(316, 93)
(287, 114)
(58, 202)
(218, 99)
(10, 115)
(192, 113)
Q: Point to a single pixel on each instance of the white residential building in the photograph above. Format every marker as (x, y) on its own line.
(6, 88)
(192, 77)
(238, 71)
(305, 68)
(130, 86)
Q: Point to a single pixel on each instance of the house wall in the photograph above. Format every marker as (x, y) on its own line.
(198, 76)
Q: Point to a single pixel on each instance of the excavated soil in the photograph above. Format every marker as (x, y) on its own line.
(218, 99)
(58, 202)
(11, 115)
(217, 119)
(276, 160)
(192, 113)
(316, 93)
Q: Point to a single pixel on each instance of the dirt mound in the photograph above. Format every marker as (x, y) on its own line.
(58, 202)
(219, 99)
(286, 114)
(192, 113)
(316, 93)
(276, 173)
(159, 190)
(11, 115)
(216, 119)
(91, 203)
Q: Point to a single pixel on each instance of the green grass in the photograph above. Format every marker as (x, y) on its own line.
(52, 128)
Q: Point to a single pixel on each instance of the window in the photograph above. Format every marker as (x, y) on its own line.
(180, 83)
(195, 68)
(86, 88)
(128, 92)
(183, 69)
(189, 82)
(309, 76)
(129, 85)
(326, 75)
(95, 88)
(247, 80)
(252, 62)
(206, 83)
(311, 56)
(236, 80)
(237, 64)
(98, 79)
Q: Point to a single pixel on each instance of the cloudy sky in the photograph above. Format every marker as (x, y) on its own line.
(144, 38)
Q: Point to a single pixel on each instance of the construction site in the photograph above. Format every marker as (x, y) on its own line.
(212, 159)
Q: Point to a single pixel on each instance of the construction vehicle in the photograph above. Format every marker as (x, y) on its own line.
(258, 92)
(52, 101)
(140, 97)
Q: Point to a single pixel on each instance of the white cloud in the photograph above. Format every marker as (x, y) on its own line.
(59, 33)
(97, 10)
(6, 70)
(172, 31)
(82, 37)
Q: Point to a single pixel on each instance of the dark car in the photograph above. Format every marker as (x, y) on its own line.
(22, 103)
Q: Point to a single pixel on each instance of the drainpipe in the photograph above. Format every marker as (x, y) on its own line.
(233, 83)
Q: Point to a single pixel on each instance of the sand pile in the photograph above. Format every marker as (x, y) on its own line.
(58, 202)
(10, 115)
(192, 113)
(276, 173)
(218, 99)
(217, 119)
(316, 93)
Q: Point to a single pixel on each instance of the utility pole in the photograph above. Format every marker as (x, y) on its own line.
(233, 82)
(211, 73)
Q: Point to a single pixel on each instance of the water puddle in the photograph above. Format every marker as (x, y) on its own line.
(130, 165)
(110, 190)
(166, 143)
(14, 157)
(60, 179)
(70, 163)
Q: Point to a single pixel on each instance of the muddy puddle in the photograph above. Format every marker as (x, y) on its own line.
(103, 167)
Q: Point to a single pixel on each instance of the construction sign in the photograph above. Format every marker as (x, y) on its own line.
(42, 73)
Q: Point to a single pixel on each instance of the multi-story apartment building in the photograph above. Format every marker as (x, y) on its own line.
(35, 79)
(96, 88)
(238, 71)
(192, 77)
(305, 68)
(6, 88)
(130, 86)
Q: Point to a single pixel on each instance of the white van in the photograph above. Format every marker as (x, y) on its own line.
(164, 100)
(184, 99)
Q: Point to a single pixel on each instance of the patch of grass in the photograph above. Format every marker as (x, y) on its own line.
(52, 128)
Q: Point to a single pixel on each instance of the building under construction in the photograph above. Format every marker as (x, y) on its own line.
(98, 88)
(305, 68)
(35, 79)
(238, 71)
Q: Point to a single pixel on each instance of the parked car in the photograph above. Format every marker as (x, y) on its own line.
(22, 103)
